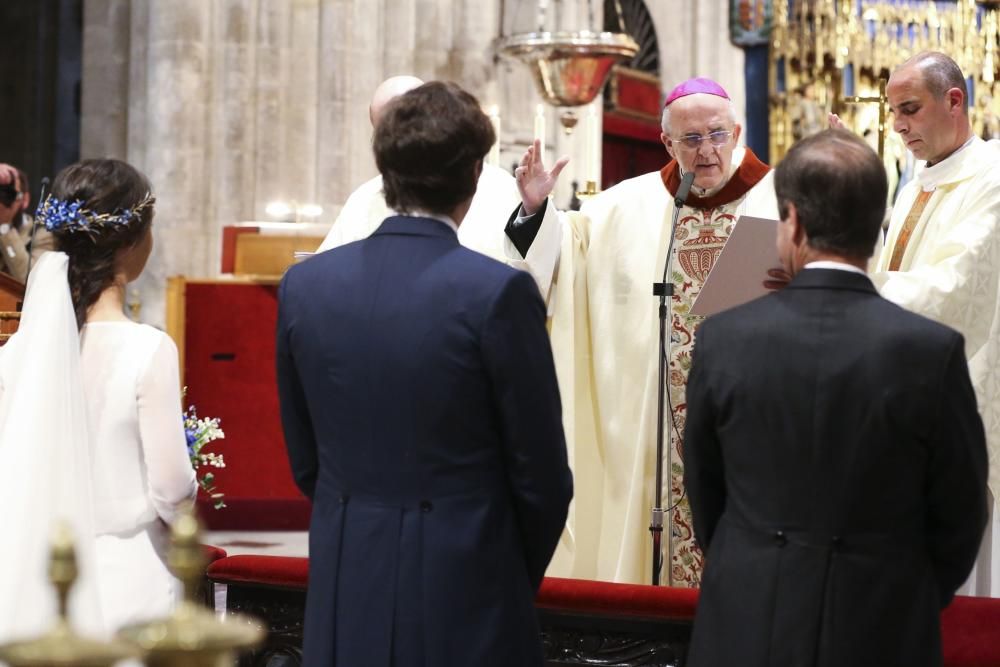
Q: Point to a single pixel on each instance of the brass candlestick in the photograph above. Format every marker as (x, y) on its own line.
(192, 636)
(589, 190)
(61, 646)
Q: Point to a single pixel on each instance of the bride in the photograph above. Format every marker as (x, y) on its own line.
(90, 416)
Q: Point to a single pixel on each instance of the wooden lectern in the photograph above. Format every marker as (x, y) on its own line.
(11, 296)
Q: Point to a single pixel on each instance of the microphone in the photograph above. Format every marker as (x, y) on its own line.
(45, 185)
(684, 189)
(34, 223)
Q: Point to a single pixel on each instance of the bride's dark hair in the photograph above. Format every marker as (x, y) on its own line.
(104, 186)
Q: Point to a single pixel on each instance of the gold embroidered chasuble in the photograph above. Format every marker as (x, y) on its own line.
(604, 334)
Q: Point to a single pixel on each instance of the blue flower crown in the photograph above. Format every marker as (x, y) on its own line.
(57, 214)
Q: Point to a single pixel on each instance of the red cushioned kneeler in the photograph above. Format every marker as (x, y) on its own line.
(970, 627)
(229, 372)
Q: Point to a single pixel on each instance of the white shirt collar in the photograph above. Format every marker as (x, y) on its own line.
(440, 217)
(838, 266)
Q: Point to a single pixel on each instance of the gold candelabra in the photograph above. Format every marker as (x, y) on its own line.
(62, 646)
(192, 636)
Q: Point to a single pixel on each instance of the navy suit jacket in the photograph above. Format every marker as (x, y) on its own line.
(422, 417)
(836, 468)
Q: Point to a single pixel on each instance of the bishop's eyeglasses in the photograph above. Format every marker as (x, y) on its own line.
(716, 138)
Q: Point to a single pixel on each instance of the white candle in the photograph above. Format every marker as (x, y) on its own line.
(593, 139)
(494, 156)
(540, 130)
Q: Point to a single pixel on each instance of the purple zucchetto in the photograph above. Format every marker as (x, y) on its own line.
(697, 85)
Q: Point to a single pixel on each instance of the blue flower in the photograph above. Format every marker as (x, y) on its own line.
(57, 213)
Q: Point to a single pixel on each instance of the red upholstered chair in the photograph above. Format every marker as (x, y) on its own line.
(266, 571)
(211, 555)
(270, 588)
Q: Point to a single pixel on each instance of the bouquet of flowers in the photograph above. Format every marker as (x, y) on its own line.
(200, 432)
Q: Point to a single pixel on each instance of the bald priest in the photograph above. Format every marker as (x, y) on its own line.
(482, 229)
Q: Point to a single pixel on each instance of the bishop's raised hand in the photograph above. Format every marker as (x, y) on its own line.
(534, 182)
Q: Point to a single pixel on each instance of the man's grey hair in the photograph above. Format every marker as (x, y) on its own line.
(665, 119)
(940, 74)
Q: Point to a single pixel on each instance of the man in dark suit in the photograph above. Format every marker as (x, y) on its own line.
(834, 459)
(422, 417)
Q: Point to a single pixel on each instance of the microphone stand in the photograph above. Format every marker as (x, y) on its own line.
(664, 290)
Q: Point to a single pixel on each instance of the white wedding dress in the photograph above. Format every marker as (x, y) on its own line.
(91, 433)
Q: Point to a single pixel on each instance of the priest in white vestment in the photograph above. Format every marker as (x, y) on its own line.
(604, 328)
(942, 254)
(482, 229)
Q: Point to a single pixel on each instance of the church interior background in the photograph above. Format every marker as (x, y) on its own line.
(231, 105)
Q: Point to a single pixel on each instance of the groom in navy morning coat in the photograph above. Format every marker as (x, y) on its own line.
(422, 417)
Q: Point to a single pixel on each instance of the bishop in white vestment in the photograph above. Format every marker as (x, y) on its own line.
(941, 256)
(604, 333)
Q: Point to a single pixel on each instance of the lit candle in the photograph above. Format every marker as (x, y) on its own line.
(540, 130)
(494, 156)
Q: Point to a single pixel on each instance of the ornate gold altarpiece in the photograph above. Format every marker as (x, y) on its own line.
(823, 53)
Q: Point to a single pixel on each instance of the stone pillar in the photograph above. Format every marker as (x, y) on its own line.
(431, 31)
(168, 138)
(471, 55)
(333, 100)
(232, 114)
(399, 37)
(103, 95)
(365, 72)
(302, 103)
(272, 50)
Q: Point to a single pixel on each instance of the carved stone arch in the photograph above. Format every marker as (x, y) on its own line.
(638, 24)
